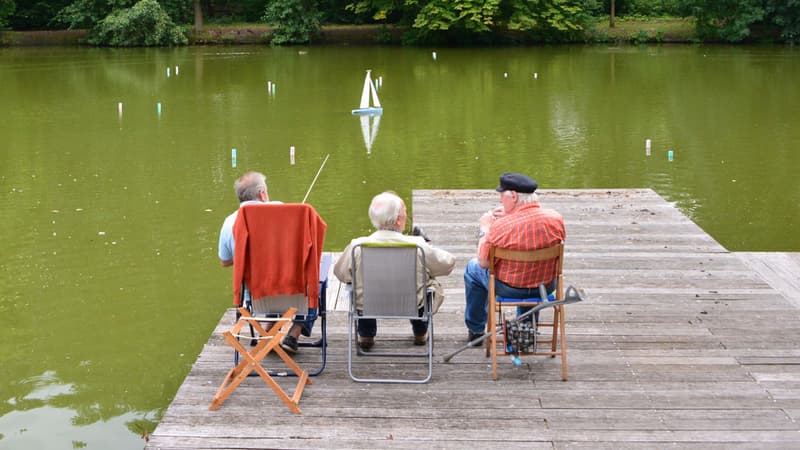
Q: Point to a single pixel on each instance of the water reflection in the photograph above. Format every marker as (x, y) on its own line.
(369, 129)
(46, 412)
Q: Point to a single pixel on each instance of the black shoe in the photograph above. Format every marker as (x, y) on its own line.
(472, 336)
(289, 344)
(366, 343)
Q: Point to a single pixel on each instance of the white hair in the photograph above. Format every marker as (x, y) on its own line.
(385, 209)
(250, 185)
(523, 197)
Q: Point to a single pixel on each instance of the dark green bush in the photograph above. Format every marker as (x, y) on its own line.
(6, 9)
(296, 20)
(143, 24)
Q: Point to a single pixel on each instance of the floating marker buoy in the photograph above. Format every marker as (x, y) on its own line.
(291, 155)
(158, 108)
(233, 157)
(434, 55)
(535, 75)
(670, 155)
(505, 74)
(269, 86)
(647, 147)
(176, 71)
(380, 81)
(167, 72)
(119, 108)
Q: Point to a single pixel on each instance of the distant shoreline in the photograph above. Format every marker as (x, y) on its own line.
(633, 31)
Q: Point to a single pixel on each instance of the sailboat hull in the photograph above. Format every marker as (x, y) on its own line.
(370, 110)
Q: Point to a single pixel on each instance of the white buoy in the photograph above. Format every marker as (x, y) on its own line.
(269, 87)
(670, 155)
(273, 89)
(167, 72)
(380, 81)
(647, 147)
(158, 107)
(233, 157)
(291, 155)
(434, 55)
(119, 108)
(505, 74)
(535, 75)
(176, 71)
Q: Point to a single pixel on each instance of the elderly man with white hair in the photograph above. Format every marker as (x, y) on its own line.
(387, 211)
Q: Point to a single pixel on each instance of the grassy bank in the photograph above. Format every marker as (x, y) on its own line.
(638, 30)
(626, 30)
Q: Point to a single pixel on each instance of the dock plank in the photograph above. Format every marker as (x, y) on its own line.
(669, 350)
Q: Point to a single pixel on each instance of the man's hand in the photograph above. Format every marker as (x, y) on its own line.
(486, 221)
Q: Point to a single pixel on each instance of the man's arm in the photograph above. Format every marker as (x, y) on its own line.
(341, 269)
(485, 224)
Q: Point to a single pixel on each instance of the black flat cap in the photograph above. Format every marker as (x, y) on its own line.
(516, 182)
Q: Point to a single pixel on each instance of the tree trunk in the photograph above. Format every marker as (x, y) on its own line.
(613, 13)
(198, 16)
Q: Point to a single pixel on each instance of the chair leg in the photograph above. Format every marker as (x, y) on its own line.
(561, 323)
(556, 323)
(492, 329)
(251, 361)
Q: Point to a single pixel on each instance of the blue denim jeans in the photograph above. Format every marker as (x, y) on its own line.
(476, 287)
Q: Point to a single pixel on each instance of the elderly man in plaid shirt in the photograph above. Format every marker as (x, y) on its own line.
(520, 224)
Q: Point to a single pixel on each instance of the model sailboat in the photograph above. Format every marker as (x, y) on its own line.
(369, 91)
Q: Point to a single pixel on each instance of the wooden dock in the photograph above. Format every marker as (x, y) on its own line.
(681, 344)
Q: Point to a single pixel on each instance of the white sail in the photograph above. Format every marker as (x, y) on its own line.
(375, 102)
(368, 92)
(365, 92)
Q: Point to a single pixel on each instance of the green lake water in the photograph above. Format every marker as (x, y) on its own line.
(110, 282)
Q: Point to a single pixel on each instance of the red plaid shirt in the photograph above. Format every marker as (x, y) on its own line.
(529, 227)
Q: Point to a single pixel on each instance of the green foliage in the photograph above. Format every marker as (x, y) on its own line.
(727, 20)
(641, 37)
(6, 8)
(34, 14)
(785, 15)
(391, 11)
(296, 20)
(82, 13)
(644, 8)
(735, 20)
(549, 20)
(475, 16)
(144, 24)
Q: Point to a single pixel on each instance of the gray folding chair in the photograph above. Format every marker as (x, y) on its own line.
(389, 278)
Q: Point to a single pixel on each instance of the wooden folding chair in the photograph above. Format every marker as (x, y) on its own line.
(558, 339)
(268, 342)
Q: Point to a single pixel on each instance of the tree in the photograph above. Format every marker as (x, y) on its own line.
(144, 24)
(727, 20)
(6, 9)
(613, 8)
(198, 16)
(296, 20)
(785, 15)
